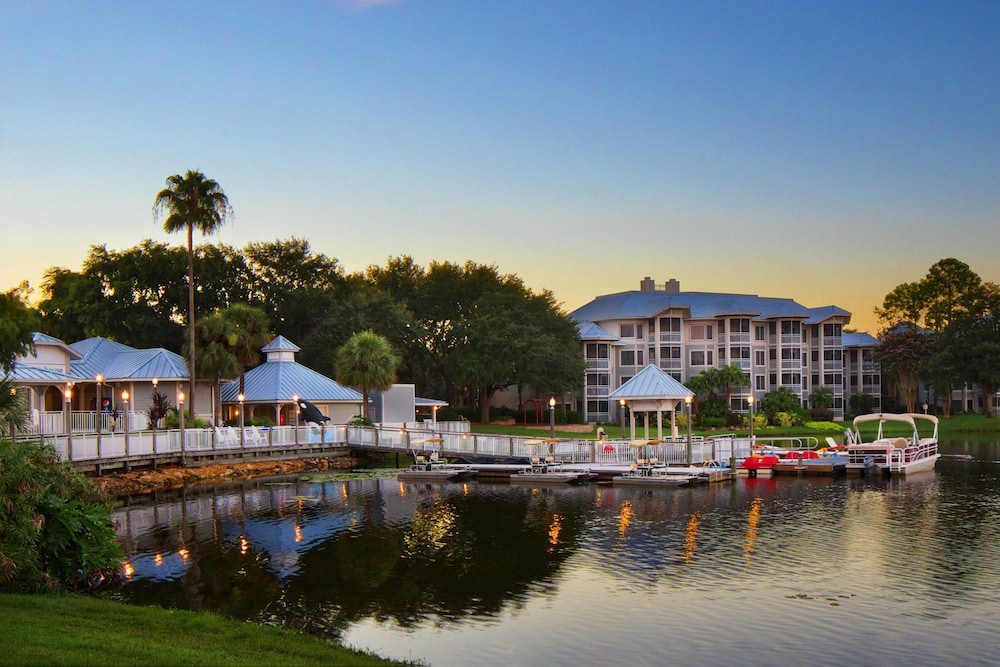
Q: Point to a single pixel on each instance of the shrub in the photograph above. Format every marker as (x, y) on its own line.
(713, 422)
(821, 414)
(783, 419)
(56, 531)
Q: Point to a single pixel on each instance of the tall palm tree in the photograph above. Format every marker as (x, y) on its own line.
(731, 376)
(366, 361)
(191, 201)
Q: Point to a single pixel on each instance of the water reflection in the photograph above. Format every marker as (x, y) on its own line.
(393, 566)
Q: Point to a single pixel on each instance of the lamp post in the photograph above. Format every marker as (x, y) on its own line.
(240, 398)
(180, 413)
(125, 411)
(687, 406)
(156, 381)
(750, 406)
(69, 420)
(295, 428)
(100, 413)
(621, 403)
(13, 425)
(552, 417)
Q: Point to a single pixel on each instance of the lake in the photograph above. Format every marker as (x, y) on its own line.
(832, 571)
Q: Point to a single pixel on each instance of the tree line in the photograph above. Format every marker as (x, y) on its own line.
(942, 331)
(461, 331)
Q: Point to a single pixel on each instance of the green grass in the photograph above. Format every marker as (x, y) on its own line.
(73, 630)
(963, 423)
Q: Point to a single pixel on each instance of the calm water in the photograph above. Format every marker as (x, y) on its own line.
(760, 571)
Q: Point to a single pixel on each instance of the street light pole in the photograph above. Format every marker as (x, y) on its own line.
(621, 403)
(295, 398)
(750, 404)
(240, 398)
(552, 417)
(180, 412)
(69, 421)
(100, 412)
(687, 405)
(125, 410)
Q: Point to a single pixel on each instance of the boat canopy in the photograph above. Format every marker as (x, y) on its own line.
(882, 417)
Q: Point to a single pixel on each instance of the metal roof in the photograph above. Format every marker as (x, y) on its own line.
(33, 374)
(39, 338)
(280, 344)
(651, 382)
(279, 381)
(116, 362)
(700, 305)
(859, 340)
(590, 331)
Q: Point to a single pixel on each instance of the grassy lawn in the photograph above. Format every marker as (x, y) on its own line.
(964, 423)
(75, 630)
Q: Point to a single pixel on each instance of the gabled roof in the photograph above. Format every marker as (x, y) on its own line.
(651, 383)
(39, 338)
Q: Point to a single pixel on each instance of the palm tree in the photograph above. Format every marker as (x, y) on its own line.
(215, 357)
(249, 330)
(821, 397)
(191, 201)
(731, 376)
(366, 361)
(13, 410)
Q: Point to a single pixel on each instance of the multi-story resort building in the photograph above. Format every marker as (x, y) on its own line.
(776, 342)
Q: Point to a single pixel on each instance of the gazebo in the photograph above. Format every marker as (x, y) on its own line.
(652, 390)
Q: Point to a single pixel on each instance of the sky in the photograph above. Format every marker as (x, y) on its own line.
(820, 151)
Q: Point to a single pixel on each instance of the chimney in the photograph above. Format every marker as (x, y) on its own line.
(673, 286)
(647, 285)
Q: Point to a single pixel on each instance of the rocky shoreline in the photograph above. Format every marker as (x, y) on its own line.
(147, 480)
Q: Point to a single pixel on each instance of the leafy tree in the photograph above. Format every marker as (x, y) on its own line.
(13, 409)
(56, 529)
(942, 368)
(978, 353)
(900, 354)
(192, 201)
(366, 361)
(70, 305)
(862, 404)
(18, 323)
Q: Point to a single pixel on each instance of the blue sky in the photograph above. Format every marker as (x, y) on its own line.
(823, 151)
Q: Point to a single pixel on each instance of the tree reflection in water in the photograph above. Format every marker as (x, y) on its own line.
(407, 553)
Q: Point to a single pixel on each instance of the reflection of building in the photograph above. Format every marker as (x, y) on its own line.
(775, 341)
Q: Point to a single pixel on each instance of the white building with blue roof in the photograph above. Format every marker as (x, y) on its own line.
(271, 389)
(777, 342)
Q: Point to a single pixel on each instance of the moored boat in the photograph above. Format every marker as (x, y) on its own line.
(895, 455)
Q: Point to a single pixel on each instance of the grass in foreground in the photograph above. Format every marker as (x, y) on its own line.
(74, 630)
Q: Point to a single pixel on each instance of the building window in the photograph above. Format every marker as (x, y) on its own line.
(697, 357)
(833, 379)
(597, 350)
(632, 357)
(759, 357)
(626, 330)
(598, 380)
(739, 325)
(670, 325)
(672, 352)
(594, 407)
(758, 332)
(760, 383)
(791, 353)
(831, 330)
(739, 352)
(791, 327)
(791, 379)
(639, 331)
(701, 332)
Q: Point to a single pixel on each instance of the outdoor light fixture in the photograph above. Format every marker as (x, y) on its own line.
(125, 411)
(100, 411)
(295, 428)
(687, 403)
(552, 417)
(241, 397)
(180, 413)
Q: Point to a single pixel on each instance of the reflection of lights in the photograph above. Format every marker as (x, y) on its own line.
(554, 529)
(158, 559)
(128, 570)
(402, 490)
(691, 536)
(183, 553)
(430, 529)
(298, 533)
(753, 517)
(598, 497)
(244, 545)
(343, 491)
(624, 518)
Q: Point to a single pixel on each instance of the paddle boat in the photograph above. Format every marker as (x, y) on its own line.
(433, 467)
(894, 455)
(651, 473)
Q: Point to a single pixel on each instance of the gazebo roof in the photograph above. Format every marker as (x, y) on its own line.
(651, 383)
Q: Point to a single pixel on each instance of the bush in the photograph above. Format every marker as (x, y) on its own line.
(56, 531)
(173, 420)
(783, 419)
(713, 422)
(821, 414)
